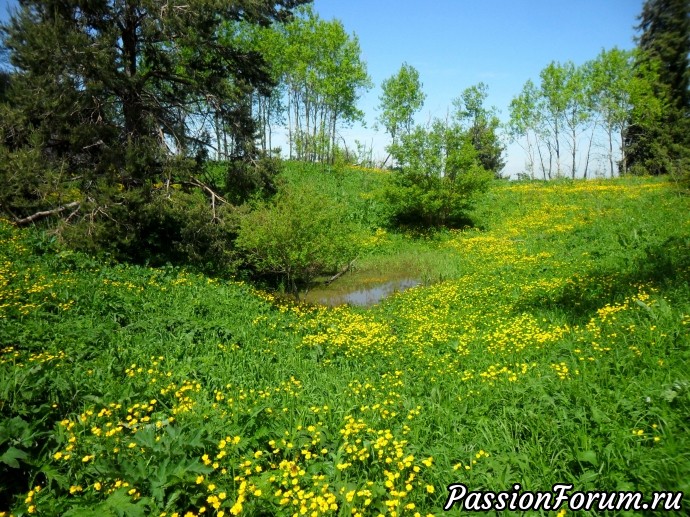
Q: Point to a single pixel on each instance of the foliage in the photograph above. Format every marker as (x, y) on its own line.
(401, 97)
(321, 74)
(118, 122)
(103, 104)
(173, 222)
(245, 180)
(577, 107)
(482, 125)
(356, 190)
(300, 235)
(554, 350)
(439, 176)
(623, 95)
(30, 183)
(662, 145)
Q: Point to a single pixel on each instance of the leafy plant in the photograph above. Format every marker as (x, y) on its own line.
(439, 177)
(300, 235)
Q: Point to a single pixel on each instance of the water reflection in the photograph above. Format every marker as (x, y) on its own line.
(362, 297)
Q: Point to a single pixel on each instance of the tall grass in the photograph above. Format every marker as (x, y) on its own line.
(550, 345)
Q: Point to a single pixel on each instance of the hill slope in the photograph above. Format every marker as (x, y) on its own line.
(555, 350)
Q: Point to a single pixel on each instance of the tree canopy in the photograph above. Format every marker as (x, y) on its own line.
(661, 146)
(118, 85)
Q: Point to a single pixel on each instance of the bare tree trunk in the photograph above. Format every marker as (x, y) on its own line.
(289, 114)
(541, 160)
(218, 135)
(333, 144)
(530, 156)
(574, 150)
(610, 132)
(558, 151)
(589, 149)
(624, 160)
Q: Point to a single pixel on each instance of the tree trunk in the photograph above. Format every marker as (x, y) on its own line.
(558, 151)
(131, 108)
(574, 153)
(610, 132)
(624, 160)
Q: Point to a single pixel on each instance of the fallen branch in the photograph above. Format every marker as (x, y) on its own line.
(45, 213)
(208, 189)
(340, 273)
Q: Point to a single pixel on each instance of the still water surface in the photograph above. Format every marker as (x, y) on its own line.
(363, 296)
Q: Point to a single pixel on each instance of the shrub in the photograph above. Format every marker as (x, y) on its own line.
(438, 178)
(299, 236)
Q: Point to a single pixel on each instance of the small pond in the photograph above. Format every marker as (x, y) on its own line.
(363, 295)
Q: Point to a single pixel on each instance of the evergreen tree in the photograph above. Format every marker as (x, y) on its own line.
(662, 145)
(117, 86)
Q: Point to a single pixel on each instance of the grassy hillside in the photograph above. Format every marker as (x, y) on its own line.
(551, 344)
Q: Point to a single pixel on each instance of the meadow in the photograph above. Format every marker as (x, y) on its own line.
(549, 343)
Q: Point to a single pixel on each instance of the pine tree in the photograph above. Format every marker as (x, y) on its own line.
(117, 86)
(663, 145)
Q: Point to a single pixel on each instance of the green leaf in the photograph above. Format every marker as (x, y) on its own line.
(587, 457)
(12, 455)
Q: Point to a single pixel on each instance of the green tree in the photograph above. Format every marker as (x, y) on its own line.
(481, 124)
(325, 76)
(578, 110)
(116, 86)
(438, 177)
(527, 121)
(554, 104)
(622, 95)
(663, 146)
(401, 97)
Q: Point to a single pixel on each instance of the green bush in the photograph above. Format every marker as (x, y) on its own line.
(30, 183)
(438, 178)
(157, 227)
(299, 236)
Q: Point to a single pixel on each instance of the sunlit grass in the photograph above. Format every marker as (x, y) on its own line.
(550, 344)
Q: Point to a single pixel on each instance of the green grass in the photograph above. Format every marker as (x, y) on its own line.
(551, 345)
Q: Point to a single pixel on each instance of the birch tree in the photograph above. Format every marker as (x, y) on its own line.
(401, 98)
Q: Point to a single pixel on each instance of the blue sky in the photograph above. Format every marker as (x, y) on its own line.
(457, 43)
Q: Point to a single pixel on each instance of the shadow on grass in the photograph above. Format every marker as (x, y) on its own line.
(665, 266)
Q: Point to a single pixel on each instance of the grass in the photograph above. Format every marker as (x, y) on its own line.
(551, 345)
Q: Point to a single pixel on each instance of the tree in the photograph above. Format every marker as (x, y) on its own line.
(622, 94)
(325, 76)
(115, 86)
(482, 125)
(578, 110)
(401, 97)
(664, 45)
(526, 121)
(566, 108)
(439, 175)
(554, 103)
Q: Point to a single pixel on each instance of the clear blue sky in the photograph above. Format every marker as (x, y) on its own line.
(457, 43)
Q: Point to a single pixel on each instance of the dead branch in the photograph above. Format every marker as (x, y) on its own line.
(340, 273)
(45, 213)
(210, 191)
